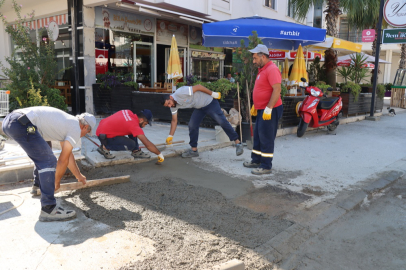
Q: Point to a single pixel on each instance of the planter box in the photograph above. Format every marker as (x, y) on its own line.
(121, 98)
(362, 106)
(152, 101)
(101, 100)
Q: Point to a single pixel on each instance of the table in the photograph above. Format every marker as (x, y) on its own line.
(155, 90)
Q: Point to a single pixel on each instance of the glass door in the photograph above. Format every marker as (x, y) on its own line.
(144, 64)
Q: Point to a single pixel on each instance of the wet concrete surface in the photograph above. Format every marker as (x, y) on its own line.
(372, 236)
(196, 217)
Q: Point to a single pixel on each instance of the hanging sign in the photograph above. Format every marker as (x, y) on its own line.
(101, 61)
(53, 31)
(396, 36)
(394, 12)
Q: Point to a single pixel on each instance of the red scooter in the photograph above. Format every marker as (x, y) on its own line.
(317, 110)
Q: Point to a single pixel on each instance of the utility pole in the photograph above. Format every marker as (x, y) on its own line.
(377, 51)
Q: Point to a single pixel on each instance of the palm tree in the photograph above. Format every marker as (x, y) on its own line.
(364, 14)
(333, 11)
(402, 63)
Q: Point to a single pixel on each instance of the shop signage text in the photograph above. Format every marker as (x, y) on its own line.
(394, 12)
(396, 36)
(122, 21)
(211, 55)
(368, 35)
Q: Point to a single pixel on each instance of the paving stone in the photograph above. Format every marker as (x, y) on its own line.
(352, 201)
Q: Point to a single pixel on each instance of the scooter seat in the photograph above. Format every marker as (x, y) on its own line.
(327, 103)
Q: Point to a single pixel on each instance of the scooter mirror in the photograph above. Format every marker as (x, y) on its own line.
(303, 79)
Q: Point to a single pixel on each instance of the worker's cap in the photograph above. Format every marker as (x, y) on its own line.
(260, 48)
(148, 114)
(89, 118)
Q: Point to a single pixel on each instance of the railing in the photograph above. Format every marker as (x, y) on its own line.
(4, 109)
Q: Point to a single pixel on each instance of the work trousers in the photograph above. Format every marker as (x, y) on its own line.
(121, 143)
(264, 138)
(214, 111)
(39, 151)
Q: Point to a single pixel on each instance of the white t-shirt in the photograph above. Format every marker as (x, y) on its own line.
(185, 98)
(53, 124)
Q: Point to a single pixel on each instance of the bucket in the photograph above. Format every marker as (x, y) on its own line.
(221, 136)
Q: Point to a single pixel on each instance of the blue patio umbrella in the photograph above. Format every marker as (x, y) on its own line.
(274, 34)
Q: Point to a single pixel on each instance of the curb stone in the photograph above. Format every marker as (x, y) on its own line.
(230, 265)
(174, 153)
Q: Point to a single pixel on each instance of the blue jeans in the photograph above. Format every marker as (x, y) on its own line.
(39, 151)
(214, 111)
(264, 138)
(121, 143)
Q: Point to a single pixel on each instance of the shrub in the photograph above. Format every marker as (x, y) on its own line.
(380, 90)
(353, 87)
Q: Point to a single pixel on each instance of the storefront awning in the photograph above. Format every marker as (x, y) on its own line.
(44, 22)
(336, 44)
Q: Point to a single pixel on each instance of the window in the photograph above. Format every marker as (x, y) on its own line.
(222, 5)
(270, 3)
(318, 14)
(349, 33)
(290, 9)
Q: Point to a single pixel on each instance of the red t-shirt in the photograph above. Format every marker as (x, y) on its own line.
(121, 123)
(267, 76)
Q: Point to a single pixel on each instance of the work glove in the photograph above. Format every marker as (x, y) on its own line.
(267, 115)
(216, 95)
(160, 158)
(253, 111)
(169, 140)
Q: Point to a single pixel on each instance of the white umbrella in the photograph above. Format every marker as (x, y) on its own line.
(369, 58)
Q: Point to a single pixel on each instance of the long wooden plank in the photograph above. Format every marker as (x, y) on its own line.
(94, 183)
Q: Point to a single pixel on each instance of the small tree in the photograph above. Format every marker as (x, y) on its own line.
(32, 68)
(358, 72)
(247, 71)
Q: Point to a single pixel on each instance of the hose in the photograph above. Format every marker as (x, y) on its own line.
(15, 206)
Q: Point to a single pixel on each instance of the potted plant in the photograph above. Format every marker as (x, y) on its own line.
(388, 88)
(366, 88)
(323, 88)
(350, 94)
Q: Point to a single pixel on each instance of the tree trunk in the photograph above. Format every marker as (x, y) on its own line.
(332, 13)
(402, 63)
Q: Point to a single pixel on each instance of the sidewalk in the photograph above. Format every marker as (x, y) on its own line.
(85, 243)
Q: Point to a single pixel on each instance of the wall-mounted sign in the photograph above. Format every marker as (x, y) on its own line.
(397, 36)
(394, 12)
(122, 21)
(53, 30)
(274, 54)
(195, 35)
(208, 55)
(368, 35)
(166, 29)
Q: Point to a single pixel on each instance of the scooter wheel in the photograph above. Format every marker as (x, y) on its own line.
(301, 128)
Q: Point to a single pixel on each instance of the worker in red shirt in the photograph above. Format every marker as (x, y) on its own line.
(112, 132)
(267, 108)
